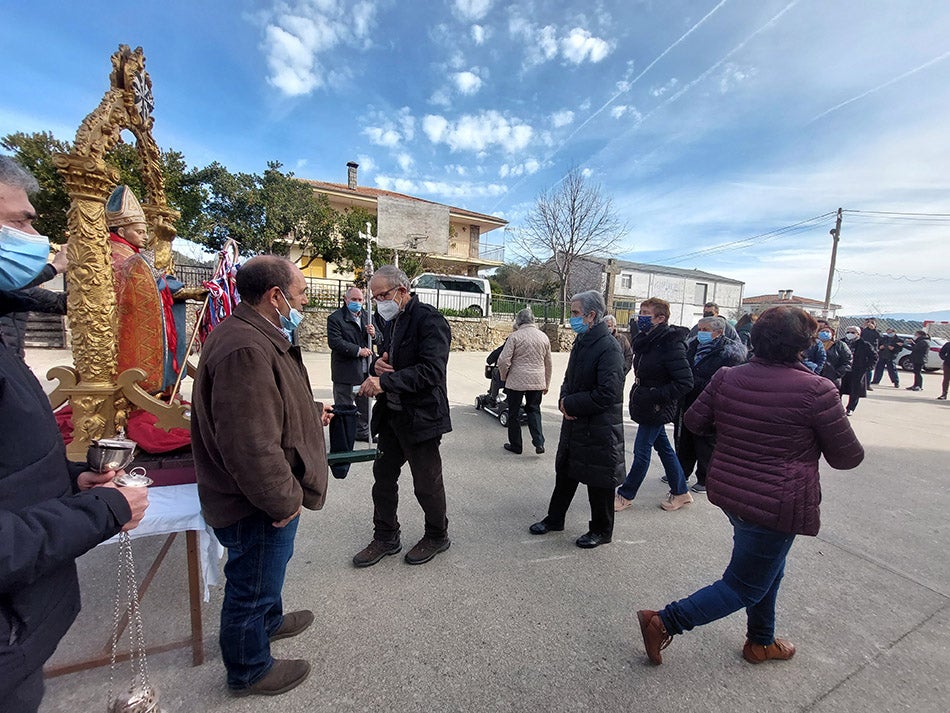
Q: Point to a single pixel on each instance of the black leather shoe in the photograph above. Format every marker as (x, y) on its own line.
(539, 449)
(543, 528)
(511, 449)
(591, 540)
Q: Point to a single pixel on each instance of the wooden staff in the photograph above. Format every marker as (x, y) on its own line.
(191, 344)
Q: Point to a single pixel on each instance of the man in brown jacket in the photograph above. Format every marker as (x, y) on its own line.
(257, 436)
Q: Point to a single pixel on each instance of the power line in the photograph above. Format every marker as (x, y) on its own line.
(896, 277)
(800, 226)
(894, 212)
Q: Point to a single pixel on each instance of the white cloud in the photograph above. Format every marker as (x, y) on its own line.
(298, 35)
(733, 75)
(668, 87)
(405, 161)
(562, 118)
(391, 131)
(440, 189)
(472, 10)
(479, 34)
(366, 163)
(467, 82)
(300, 163)
(542, 44)
(580, 45)
(478, 132)
(586, 172)
(527, 168)
(621, 110)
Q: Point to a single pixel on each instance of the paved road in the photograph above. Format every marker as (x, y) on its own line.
(505, 621)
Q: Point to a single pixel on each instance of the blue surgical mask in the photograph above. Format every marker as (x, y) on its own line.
(824, 335)
(354, 307)
(704, 337)
(644, 322)
(578, 325)
(22, 256)
(293, 318)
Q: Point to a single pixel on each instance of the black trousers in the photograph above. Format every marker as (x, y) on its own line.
(918, 377)
(696, 451)
(343, 394)
(425, 464)
(601, 504)
(532, 409)
(26, 697)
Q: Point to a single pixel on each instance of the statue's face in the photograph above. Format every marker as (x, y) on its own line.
(136, 234)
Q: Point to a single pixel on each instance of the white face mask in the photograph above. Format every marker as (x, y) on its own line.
(387, 309)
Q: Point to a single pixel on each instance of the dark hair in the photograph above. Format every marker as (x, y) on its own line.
(744, 320)
(781, 334)
(261, 273)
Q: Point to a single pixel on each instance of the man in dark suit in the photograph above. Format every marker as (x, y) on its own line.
(349, 334)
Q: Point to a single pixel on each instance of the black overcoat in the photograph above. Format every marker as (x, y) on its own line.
(590, 449)
(663, 375)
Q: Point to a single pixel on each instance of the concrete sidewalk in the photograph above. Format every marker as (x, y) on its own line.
(505, 621)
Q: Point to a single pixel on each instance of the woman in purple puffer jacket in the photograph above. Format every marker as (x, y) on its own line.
(773, 419)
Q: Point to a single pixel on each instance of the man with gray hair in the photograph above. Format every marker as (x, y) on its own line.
(525, 367)
(51, 510)
(411, 416)
(590, 449)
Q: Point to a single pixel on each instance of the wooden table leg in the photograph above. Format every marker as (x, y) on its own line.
(194, 599)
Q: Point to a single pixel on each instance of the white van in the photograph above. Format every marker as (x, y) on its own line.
(456, 292)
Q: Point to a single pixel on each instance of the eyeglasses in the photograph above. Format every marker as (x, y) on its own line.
(383, 295)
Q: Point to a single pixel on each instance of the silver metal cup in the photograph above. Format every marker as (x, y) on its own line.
(108, 454)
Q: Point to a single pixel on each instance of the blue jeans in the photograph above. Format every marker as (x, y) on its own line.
(751, 580)
(258, 554)
(649, 437)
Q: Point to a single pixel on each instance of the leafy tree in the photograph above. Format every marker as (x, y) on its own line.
(35, 153)
(533, 280)
(271, 213)
(571, 221)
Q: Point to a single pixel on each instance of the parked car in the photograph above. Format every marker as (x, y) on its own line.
(456, 292)
(933, 363)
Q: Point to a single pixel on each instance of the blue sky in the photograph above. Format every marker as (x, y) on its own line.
(706, 122)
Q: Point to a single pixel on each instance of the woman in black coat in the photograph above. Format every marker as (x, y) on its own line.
(590, 449)
(663, 378)
(863, 357)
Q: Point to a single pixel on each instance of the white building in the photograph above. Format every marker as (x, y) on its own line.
(626, 284)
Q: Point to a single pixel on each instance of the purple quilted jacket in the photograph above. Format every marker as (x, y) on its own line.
(772, 423)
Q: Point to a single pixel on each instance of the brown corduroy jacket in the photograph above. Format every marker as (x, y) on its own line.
(256, 431)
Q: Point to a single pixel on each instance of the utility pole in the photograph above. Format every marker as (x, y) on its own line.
(835, 236)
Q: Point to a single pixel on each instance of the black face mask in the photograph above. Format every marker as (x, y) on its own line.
(709, 314)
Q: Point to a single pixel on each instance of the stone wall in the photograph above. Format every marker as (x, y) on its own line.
(468, 334)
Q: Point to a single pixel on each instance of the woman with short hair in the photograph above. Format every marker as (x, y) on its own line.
(773, 419)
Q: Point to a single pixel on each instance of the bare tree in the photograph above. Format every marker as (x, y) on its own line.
(570, 221)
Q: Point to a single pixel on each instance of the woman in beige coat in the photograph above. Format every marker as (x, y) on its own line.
(525, 367)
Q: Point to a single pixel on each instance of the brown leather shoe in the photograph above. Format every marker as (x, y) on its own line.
(294, 623)
(284, 675)
(655, 636)
(778, 650)
(375, 551)
(426, 549)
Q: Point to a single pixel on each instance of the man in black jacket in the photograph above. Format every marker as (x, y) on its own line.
(349, 333)
(889, 346)
(411, 415)
(918, 357)
(51, 510)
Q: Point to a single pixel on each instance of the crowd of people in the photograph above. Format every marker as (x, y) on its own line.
(753, 409)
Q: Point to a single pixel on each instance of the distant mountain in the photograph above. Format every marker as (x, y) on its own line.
(939, 316)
